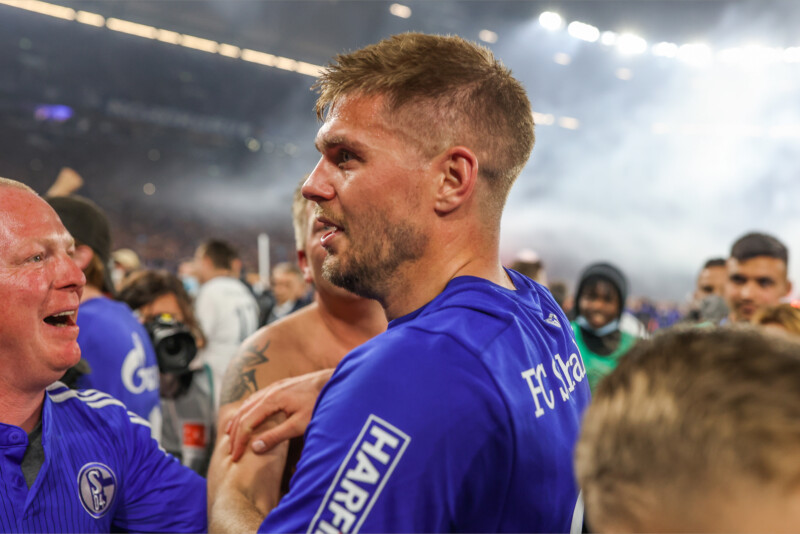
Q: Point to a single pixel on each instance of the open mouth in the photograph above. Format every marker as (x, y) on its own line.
(62, 319)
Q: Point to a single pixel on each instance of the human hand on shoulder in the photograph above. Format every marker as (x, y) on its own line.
(295, 397)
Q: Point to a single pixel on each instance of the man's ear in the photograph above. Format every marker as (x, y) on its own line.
(302, 262)
(459, 175)
(83, 256)
(788, 287)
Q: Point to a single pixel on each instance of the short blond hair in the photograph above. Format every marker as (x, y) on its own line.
(446, 91)
(686, 416)
(300, 215)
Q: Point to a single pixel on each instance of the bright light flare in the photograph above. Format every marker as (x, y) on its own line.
(399, 10)
(569, 123)
(665, 49)
(583, 31)
(92, 19)
(630, 44)
(697, 54)
(487, 36)
(551, 21)
(543, 119)
(609, 38)
(624, 74)
(562, 59)
(131, 28)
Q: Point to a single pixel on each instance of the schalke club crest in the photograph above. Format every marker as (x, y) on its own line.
(97, 486)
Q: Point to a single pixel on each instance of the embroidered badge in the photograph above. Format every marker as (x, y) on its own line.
(97, 486)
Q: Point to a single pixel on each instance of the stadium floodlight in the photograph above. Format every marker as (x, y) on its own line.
(562, 59)
(92, 19)
(487, 36)
(697, 54)
(543, 119)
(630, 44)
(399, 10)
(665, 49)
(551, 20)
(624, 74)
(609, 38)
(131, 28)
(583, 31)
(569, 123)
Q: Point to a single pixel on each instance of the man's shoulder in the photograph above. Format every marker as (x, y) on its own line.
(94, 412)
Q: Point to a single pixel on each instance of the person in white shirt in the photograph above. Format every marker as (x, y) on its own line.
(225, 307)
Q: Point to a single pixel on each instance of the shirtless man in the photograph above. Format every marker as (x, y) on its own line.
(315, 338)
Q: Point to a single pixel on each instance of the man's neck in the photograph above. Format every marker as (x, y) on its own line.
(20, 409)
(351, 320)
(416, 285)
(219, 273)
(90, 292)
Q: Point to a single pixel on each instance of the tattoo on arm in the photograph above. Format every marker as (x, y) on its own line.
(240, 378)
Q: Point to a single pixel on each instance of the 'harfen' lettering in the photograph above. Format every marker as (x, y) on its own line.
(360, 478)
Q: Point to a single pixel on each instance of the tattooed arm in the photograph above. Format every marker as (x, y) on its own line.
(251, 369)
(240, 378)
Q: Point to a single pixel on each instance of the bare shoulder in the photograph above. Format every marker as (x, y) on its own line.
(268, 355)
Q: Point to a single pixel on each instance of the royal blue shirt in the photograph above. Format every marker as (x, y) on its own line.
(102, 472)
(121, 356)
(462, 416)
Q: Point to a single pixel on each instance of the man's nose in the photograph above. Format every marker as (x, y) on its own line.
(317, 186)
(67, 273)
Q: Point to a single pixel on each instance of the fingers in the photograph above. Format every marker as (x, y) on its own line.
(265, 441)
(248, 418)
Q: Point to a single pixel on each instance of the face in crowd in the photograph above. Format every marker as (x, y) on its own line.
(711, 282)
(599, 303)
(40, 288)
(753, 284)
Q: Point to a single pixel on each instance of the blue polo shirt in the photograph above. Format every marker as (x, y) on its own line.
(461, 417)
(102, 472)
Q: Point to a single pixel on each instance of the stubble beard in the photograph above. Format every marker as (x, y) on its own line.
(370, 269)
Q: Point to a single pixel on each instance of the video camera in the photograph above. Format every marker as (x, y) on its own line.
(173, 342)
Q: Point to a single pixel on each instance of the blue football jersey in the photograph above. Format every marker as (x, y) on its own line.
(102, 472)
(462, 416)
(121, 356)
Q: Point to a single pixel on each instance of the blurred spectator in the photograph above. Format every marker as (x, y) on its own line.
(225, 307)
(528, 263)
(118, 349)
(164, 306)
(757, 275)
(289, 290)
(561, 295)
(783, 318)
(708, 303)
(695, 431)
(187, 272)
(126, 262)
(711, 280)
(599, 304)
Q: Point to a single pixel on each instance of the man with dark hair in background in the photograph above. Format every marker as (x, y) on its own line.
(289, 289)
(116, 346)
(225, 307)
(695, 431)
(708, 300)
(757, 275)
(462, 416)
